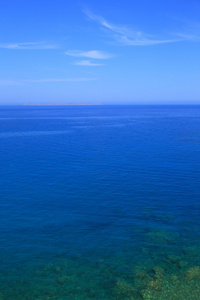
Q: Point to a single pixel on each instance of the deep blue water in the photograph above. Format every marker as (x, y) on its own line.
(97, 190)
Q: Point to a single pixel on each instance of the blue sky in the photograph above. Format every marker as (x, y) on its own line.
(112, 52)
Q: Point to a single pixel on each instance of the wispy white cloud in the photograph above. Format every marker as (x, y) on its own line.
(28, 46)
(127, 36)
(95, 54)
(144, 41)
(87, 63)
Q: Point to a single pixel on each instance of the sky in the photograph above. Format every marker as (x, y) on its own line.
(108, 52)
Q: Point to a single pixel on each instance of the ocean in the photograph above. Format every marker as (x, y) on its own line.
(99, 202)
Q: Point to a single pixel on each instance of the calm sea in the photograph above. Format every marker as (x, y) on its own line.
(99, 202)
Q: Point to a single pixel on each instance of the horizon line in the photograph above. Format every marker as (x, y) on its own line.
(101, 104)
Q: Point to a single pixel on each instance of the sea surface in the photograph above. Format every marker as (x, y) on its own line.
(99, 202)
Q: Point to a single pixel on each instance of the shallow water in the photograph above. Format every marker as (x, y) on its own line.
(100, 202)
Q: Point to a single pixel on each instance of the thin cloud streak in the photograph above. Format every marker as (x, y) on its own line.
(44, 80)
(144, 41)
(8, 82)
(188, 37)
(28, 46)
(87, 63)
(58, 80)
(95, 54)
(125, 36)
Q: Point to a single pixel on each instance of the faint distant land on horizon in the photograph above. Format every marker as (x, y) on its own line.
(63, 103)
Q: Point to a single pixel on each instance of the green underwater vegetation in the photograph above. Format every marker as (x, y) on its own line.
(161, 273)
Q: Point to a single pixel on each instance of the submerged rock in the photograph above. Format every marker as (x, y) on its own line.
(160, 237)
(158, 271)
(176, 261)
(192, 273)
(124, 290)
(155, 285)
(142, 279)
(62, 280)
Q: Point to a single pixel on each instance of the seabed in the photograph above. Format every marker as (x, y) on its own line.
(160, 270)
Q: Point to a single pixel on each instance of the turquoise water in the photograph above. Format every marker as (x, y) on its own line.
(100, 202)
